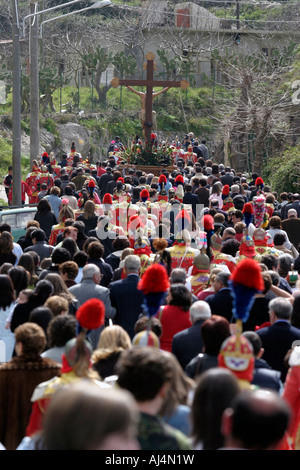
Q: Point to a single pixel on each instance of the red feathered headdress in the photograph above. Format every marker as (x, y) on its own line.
(90, 315)
(162, 179)
(144, 194)
(107, 199)
(179, 179)
(154, 279)
(248, 213)
(92, 184)
(259, 181)
(208, 222)
(121, 179)
(245, 281)
(225, 190)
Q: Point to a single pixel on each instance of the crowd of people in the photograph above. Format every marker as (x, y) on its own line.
(120, 308)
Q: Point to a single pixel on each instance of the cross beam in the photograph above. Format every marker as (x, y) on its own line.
(149, 83)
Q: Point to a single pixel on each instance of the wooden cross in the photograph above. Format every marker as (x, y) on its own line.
(149, 83)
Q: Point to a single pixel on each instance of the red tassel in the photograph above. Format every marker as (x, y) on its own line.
(259, 181)
(155, 279)
(208, 222)
(179, 179)
(248, 273)
(90, 315)
(107, 199)
(226, 190)
(162, 179)
(145, 193)
(183, 214)
(248, 207)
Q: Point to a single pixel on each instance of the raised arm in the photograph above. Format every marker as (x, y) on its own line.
(140, 93)
(160, 92)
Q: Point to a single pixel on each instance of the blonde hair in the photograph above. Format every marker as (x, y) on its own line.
(89, 209)
(112, 339)
(57, 304)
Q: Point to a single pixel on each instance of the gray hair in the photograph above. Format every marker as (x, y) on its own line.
(178, 276)
(89, 271)
(200, 310)
(281, 307)
(132, 263)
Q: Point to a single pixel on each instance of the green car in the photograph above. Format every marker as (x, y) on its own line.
(17, 219)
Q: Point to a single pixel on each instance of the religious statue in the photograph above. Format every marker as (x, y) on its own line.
(143, 96)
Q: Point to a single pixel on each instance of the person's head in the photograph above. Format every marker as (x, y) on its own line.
(55, 191)
(89, 209)
(292, 214)
(279, 239)
(214, 392)
(66, 212)
(5, 267)
(280, 308)
(57, 304)
(230, 247)
(228, 233)
(132, 264)
(38, 235)
(270, 261)
(60, 255)
(19, 277)
(69, 244)
(178, 276)
(60, 330)
(95, 250)
(43, 289)
(199, 310)
(114, 338)
(255, 341)
(120, 243)
(145, 372)
(30, 340)
(275, 222)
(221, 280)
(85, 417)
(91, 272)
(179, 296)
(80, 258)
(7, 292)
(6, 242)
(41, 316)
(256, 420)
(285, 263)
(43, 206)
(57, 282)
(68, 270)
(26, 260)
(70, 232)
(143, 323)
(214, 331)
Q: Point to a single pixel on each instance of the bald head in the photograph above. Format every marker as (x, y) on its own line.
(257, 420)
(292, 213)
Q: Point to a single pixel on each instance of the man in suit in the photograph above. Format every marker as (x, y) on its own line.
(291, 225)
(125, 297)
(90, 288)
(104, 180)
(278, 338)
(227, 178)
(295, 204)
(192, 199)
(188, 343)
(221, 302)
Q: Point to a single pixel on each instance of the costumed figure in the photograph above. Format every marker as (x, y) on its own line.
(227, 199)
(162, 198)
(93, 196)
(182, 254)
(208, 224)
(66, 212)
(25, 189)
(264, 244)
(142, 249)
(46, 177)
(45, 160)
(247, 245)
(199, 275)
(190, 155)
(155, 285)
(76, 362)
(236, 353)
(33, 181)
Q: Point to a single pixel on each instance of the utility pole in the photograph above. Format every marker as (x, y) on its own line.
(16, 147)
(34, 85)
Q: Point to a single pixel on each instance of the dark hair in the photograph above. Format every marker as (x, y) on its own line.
(255, 341)
(70, 245)
(142, 371)
(214, 392)
(270, 261)
(95, 250)
(42, 291)
(214, 331)
(279, 239)
(42, 317)
(295, 318)
(180, 296)
(120, 243)
(69, 267)
(43, 207)
(230, 247)
(80, 258)
(19, 278)
(38, 234)
(59, 255)
(61, 329)
(7, 295)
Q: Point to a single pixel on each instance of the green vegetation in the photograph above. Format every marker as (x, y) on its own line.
(283, 172)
